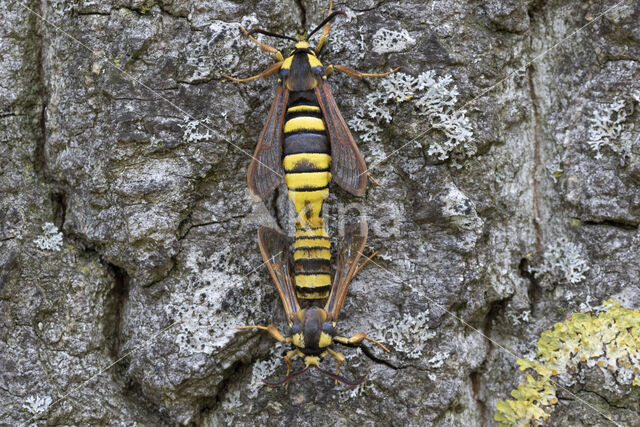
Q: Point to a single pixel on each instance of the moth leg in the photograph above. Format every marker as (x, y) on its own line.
(365, 262)
(264, 47)
(373, 179)
(357, 339)
(273, 331)
(325, 32)
(328, 70)
(358, 75)
(266, 73)
(289, 358)
(339, 359)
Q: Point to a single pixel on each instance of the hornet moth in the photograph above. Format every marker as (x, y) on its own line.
(312, 330)
(306, 140)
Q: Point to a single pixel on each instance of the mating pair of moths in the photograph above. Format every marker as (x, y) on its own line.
(306, 140)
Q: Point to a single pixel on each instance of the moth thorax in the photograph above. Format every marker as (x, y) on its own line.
(312, 332)
(302, 45)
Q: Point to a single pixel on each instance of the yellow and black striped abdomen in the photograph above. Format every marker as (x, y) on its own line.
(307, 163)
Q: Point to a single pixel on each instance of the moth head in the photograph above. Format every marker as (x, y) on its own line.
(312, 331)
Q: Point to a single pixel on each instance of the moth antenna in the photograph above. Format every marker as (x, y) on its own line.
(327, 19)
(268, 33)
(286, 379)
(343, 380)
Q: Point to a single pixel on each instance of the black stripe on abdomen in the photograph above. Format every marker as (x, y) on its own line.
(306, 142)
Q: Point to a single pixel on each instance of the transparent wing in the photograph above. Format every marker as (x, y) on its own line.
(349, 251)
(265, 170)
(274, 247)
(348, 168)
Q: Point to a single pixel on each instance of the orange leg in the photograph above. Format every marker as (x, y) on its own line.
(373, 179)
(273, 331)
(289, 357)
(365, 262)
(358, 75)
(327, 28)
(325, 31)
(266, 73)
(264, 47)
(339, 360)
(358, 338)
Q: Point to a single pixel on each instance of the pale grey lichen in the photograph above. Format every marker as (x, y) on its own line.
(434, 98)
(408, 335)
(607, 128)
(51, 239)
(555, 166)
(438, 359)
(216, 50)
(460, 210)
(346, 37)
(64, 7)
(196, 130)
(206, 323)
(263, 369)
(367, 387)
(232, 401)
(563, 263)
(367, 129)
(386, 41)
(518, 318)
(37, 405)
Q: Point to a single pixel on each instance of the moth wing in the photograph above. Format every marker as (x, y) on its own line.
(349, 251)
(274, 247)
(348, 168)
(265, 170)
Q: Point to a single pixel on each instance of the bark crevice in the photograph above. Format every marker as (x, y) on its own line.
(536, 157)
(40, 159)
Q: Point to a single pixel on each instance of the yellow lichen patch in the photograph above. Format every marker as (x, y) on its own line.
(608, 340)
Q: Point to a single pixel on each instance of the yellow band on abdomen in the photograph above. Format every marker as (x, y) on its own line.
(321, 253)
(301, 233)
(310, 180)
(312, 280)
(313, 295)
(319, 161)
(303, 123)
(303, 109)
(302, 242)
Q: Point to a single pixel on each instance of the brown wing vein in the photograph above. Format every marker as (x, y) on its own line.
(349, 252)
(348, 167)
(275, 253)
(265, 170)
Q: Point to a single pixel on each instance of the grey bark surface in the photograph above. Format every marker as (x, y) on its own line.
(118, 128)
